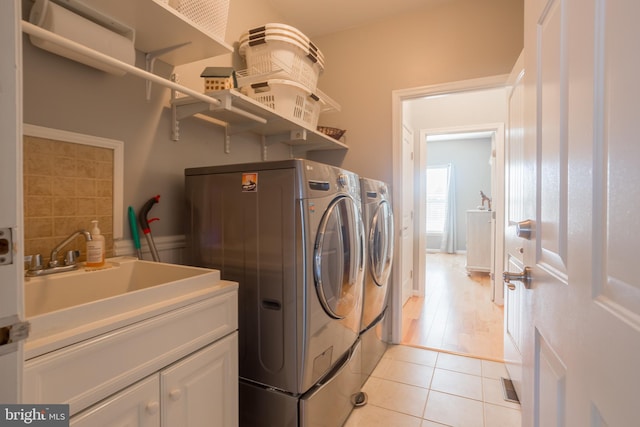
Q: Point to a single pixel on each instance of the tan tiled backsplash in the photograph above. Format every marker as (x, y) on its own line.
(66, 185)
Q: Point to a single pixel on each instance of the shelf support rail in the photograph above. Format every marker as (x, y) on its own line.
(150, 59)
(34, 30)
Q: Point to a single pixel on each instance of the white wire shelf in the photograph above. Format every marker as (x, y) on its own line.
(243, 114)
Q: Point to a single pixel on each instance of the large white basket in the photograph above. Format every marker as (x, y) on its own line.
(284, 59)
(282, 52)
(282, 30)
(287, 98)
(210, 15)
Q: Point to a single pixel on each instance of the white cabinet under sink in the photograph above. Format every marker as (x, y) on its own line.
(201, 390)
(174, 362)
(198, 391)
(135, 406)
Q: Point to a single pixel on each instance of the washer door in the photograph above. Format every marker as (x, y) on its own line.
(381, 243)
(339, 259)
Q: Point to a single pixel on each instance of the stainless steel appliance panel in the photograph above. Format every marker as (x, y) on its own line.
(254, 238)
(378, 219)
(268, 236)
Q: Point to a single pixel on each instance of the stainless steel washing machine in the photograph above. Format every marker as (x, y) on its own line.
(378, 219)
(290, 233)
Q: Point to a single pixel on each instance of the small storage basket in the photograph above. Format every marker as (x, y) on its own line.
(287, 98)
(334, 133)
(210, 15)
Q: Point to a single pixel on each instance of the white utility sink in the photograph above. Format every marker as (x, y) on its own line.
(63, 308)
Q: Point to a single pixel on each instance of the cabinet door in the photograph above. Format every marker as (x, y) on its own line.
(479, 240)
(135, 406)
(202, 389)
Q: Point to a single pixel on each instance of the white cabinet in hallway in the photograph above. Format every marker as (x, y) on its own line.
(478, 240)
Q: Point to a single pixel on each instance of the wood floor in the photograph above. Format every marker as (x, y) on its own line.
(456, 313)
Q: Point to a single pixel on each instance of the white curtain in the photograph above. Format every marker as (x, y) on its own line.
(448, 243)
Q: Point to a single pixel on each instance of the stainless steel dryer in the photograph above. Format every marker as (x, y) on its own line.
(378, 219)
(290, 233)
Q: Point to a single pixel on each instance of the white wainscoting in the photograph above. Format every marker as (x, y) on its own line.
(170, 248)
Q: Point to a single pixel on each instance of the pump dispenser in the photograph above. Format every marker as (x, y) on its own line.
(96, 247)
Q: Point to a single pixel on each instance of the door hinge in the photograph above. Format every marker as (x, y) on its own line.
(6, 246)
(12, 334)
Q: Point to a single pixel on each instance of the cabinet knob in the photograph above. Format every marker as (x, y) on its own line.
(175, 394)
(153, 407)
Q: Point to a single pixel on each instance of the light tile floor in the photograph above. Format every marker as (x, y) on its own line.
(415, 387)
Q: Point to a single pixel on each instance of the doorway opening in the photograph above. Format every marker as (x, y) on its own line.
(452, 308)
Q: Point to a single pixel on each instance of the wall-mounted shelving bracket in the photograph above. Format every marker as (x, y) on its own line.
(175, 130)
(265, 146)
(298, 135)
(227, 141)
(265, 143)
(150, 60)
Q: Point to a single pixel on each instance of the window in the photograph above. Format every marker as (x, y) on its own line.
(437, 177)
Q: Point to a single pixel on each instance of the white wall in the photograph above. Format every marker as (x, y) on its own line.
(459, 109)
(451, 41)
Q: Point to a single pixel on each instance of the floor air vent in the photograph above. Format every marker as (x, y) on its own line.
(508, 391)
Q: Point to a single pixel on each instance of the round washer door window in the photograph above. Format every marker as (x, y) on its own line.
(338, 258)
(381, 243)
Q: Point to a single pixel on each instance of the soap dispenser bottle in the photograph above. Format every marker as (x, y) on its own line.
(95, 247)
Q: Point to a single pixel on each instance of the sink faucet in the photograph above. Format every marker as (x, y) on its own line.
(53, 260)
(36, 268)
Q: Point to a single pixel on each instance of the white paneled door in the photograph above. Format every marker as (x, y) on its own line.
(406, 232)
(514, 212)
(11, 253)
(580, 323)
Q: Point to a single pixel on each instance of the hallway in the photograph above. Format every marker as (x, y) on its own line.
(456, 314)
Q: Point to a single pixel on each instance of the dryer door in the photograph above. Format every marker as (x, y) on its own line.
(339, 258)
(381, 243)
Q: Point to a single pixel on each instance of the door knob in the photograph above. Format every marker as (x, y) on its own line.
(524, 229)
(524, 277)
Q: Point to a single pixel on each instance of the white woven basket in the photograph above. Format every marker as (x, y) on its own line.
(210, 15)
(287, 98)
(284, 57)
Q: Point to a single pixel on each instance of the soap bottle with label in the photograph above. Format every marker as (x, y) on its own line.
(95, 247)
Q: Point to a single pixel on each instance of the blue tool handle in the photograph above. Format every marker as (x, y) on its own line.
(134, 228)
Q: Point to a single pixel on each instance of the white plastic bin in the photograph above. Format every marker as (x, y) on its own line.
(290, 99)
(281, 54)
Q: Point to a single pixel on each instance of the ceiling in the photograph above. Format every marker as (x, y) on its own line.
(321, 17)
